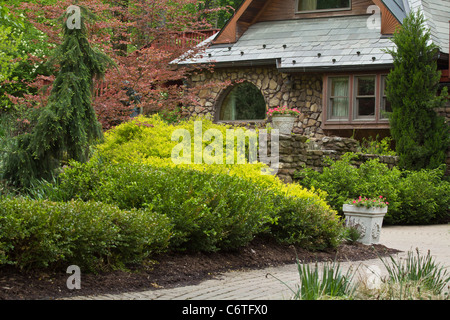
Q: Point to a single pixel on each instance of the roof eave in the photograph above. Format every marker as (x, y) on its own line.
(303, 69)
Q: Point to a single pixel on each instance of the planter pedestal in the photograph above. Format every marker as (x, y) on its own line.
(284, 123)
(367, 221)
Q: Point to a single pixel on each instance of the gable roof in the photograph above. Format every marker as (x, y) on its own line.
(331, 43)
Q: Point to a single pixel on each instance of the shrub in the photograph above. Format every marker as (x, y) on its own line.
(414, 197)
(147, 141)
(212, 206)
(144, 137)
(92, 235)
(209, 211)
(424, 197)
(375, 146)
(306, 222)
(341, 180)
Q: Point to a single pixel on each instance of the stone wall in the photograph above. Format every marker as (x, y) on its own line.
(303, 92)
(297, 152)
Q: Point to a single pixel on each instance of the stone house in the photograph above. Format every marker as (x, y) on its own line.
(323, 57)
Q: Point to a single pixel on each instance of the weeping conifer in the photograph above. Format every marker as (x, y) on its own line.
(67, 125)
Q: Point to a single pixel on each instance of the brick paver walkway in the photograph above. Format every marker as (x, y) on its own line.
(258, 285)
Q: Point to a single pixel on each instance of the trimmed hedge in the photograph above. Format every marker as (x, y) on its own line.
(92, 235)
(209, 211)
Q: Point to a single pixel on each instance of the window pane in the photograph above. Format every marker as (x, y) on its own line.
(339, 101)
(339, 87)
(366, 106)
(366, 86)
(308, 5)
(243, 102)
(385, 107)
(339, 107)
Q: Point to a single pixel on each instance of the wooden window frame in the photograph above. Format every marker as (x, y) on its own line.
(329, 97)
(349, 8)
(356, 97)
(351, 122)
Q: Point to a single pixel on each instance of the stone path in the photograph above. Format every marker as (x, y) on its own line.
(273, 283)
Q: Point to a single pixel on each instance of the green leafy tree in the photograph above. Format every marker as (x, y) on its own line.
(67, 125)
(10, 38)
(421, 135)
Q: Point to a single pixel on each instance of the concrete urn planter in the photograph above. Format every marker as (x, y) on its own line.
(368, 221)
(284, 123)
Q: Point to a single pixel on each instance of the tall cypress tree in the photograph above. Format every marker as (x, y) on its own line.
(67, 125)
(421, 135)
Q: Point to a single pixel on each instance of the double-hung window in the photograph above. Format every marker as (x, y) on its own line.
(354, 100)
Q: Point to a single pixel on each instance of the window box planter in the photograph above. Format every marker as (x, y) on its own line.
(283, 122)
(368, 221)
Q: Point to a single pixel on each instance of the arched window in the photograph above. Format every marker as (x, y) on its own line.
(243, 102)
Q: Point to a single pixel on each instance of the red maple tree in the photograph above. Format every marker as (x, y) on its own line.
(142, 37)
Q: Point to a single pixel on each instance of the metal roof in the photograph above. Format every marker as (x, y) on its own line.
(306, 44)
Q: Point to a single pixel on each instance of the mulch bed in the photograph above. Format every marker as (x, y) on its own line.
(172, 269)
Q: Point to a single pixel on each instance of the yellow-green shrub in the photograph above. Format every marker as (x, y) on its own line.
(303, 215)
(147, 140)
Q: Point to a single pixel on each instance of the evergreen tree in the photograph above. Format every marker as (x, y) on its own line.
(421, 135)
(67, 125)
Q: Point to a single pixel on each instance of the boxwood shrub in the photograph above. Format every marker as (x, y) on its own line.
(211, 206)
(209, 211)
(92, 235)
